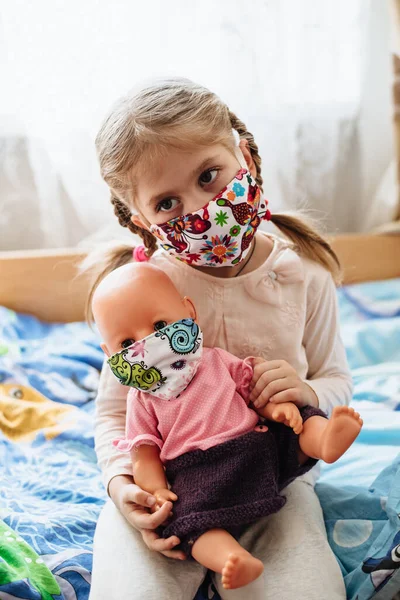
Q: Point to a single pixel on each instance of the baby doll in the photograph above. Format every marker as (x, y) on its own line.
(189, 424)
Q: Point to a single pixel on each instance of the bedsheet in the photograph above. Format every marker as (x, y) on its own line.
(51, 490)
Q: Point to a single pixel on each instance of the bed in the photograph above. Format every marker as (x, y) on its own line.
(51, 491)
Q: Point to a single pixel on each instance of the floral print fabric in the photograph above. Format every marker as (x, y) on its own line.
(220, 233)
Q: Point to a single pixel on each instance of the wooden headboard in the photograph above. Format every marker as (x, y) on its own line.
(46, 283)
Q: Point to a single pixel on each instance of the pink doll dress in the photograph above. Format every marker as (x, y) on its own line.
(225, 470)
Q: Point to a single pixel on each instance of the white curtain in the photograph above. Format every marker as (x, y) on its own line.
(310, 78)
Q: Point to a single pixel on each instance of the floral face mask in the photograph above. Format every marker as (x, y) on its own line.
(220, 233)
(163, 363)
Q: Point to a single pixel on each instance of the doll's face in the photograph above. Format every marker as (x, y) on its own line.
(134, 302)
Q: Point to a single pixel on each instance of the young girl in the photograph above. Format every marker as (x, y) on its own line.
(166, 152)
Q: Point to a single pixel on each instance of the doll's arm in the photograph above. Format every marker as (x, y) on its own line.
(149, 473)
(285, 412)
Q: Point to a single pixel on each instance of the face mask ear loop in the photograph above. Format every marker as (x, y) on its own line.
(238, 153)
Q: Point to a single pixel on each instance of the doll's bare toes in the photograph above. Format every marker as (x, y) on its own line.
(240, 569)
(342, 429)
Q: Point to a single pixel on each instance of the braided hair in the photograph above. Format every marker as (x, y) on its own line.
(301, 231)
(123, 215)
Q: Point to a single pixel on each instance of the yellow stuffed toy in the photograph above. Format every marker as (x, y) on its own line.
(24, 412)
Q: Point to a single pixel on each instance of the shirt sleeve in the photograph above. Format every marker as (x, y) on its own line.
(141, 426)
(241, 371)
(328, 372)
(110, 424)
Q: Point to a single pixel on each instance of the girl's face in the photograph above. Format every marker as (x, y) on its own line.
(183, 182)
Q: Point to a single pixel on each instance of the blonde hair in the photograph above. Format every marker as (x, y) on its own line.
(181, 114)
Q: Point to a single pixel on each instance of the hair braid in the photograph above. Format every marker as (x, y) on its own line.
(304, 235)
(123, 215)
(241, 128)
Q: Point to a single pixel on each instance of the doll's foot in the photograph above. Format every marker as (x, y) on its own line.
(240, 569)
(342, 429)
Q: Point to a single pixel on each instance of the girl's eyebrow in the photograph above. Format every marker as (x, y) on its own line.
(207, 162)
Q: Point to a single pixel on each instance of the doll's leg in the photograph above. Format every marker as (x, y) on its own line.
(328, 439)
(292, 544)
(219, 551)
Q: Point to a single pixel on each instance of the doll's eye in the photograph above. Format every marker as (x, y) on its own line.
(160, 325)
(178, 365)
(127, 343)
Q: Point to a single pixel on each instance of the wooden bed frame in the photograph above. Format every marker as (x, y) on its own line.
(46, 283)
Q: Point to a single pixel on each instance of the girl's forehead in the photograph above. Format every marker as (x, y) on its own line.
(183, 158)
(176, 164)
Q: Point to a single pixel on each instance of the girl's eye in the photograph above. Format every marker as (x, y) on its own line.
(160, 325)
(127, 343)
(167, 204)
(208, 176)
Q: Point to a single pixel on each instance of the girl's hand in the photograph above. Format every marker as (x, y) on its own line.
(276, 381)
(135, 504)
(288, 414)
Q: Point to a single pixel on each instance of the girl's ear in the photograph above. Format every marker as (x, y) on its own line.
(187, 302)
(244, 146)
(105, 350)
(136, 220)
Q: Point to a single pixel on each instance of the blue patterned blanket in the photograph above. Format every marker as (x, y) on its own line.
(51, 491)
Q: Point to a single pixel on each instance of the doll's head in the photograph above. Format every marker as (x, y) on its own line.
(149, 331)
(133, 302)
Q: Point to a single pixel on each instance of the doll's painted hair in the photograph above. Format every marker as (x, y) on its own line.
(180, 114)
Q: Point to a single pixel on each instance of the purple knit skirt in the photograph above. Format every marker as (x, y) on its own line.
(235, 483)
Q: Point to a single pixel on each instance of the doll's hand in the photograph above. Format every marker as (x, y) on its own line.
(276, 381)
(162, 496)
(288, 414)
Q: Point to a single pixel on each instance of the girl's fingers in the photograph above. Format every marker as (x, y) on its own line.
(177, 554)
(273, 388)
(265, 367)
(256, 360)
(138, 496)
(268, 365)
(292, 394)
(141, 519)
(165, 546)
(263, 380)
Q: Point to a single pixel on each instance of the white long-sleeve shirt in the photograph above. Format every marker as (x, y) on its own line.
(286, 309)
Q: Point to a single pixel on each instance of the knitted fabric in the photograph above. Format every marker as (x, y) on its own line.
(234, 483)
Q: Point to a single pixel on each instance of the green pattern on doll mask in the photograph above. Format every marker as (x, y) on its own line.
(136, 375)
